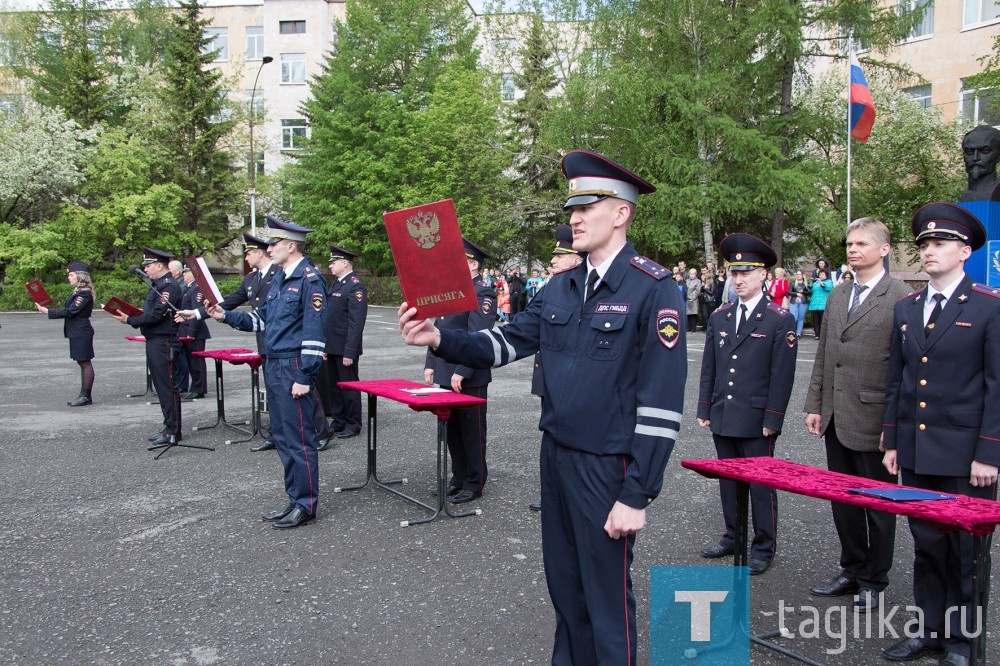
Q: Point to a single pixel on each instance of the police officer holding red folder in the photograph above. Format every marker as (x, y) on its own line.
(614, 365)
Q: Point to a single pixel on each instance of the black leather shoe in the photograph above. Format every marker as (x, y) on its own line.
(465, 496)
(271, 516)
(867, 600)
(322, 444)
(839, 586)
(347, 434)
(718, 550)
(454, 490)
(163, 438)
(953, 659)
(266, 446)
(908, 649)
(295, 518)
(535, 506)
(758, 566)
(80, 401)
(155, 437)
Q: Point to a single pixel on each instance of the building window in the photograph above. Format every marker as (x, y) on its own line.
(980, 11)
(257, 99)
(293, 134)
(52, 39)
(292, 27)
(255, 42)
(293, 67)
(218, 43)
(976, 107)
(334, 36)
(508, 91)
(921, 95)
(925, 27)
(258, 163)
(505, 45)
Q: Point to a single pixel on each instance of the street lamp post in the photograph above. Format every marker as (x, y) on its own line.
(253, 155)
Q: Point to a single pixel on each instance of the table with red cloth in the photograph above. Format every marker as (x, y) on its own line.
(235, 356)
(978, 517)
(439, 403)
(149, 378)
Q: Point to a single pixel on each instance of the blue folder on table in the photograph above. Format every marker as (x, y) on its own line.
(902, 494)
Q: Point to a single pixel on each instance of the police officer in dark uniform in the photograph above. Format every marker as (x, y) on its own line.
(292, 321)
(942, 425)
(156, 323)
(253, 290)
(466, 427)
(198, 330)
(747, 371)
(613, 367)
(77, 328)
(346, 312)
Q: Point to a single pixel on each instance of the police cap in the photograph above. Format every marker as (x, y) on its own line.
(151, 256)
(279, 230)
(593, 177)
(473, 251)
(341, 253)
(948, 222)
(744, 252)
(564, 240)
(78, 267)
(251, 242)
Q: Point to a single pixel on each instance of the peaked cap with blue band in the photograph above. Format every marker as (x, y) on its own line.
(744, 252)
(280, 230)
(593, 177)
(251, 242)
(947, 222)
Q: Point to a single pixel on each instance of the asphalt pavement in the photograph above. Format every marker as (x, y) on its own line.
(112, 557)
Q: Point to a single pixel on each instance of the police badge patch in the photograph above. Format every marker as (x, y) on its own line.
(791, 339)
(668, 327)
(359, 296)
(317, 301)
(487, 305)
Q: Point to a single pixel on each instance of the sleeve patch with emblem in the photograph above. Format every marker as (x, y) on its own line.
(668, 327)
(359, 296)
(487, 305)
(791, 339)
(317, 301)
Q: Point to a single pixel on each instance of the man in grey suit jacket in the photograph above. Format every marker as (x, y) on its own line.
(846, 402)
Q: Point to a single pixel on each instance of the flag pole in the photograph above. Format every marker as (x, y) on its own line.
(850, 60)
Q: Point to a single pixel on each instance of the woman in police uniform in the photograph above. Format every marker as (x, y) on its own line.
(77, 328)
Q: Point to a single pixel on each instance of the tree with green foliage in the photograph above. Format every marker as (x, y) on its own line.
(400, 115)
(76, 54)
(191, 134)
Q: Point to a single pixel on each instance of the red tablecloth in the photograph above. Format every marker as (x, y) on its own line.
(441, 403)
(142, 338)
(976, 516)
(236, 356)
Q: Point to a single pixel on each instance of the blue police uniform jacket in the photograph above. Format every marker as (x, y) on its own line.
(475, 320)
(76, 312)
(291, 319)
(157, 317)
(746, 382)
(346, 312)
(613, 368)
(942, 393)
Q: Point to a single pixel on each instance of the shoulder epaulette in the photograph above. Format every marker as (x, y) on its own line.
(773, 307)
(354, 279)
(649, 267)
(986, 289)
(553, 272)
(311, 274)
(909, 295)
(726, 306)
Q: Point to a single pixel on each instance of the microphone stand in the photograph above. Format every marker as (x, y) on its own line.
(174, 348)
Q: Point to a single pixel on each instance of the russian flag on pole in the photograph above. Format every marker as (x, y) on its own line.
(861, 105)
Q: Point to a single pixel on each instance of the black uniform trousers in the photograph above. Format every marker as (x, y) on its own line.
(942, 566)
(161, 354)
(867, 538)
(293, 427)
(197, 367)
(763, 500)
(467, 443)
(578, 491)
(182, 372)
(345, 406)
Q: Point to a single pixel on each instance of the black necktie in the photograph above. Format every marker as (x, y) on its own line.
(743, 320)
(856, 301)
(591, 281)
(935, 313)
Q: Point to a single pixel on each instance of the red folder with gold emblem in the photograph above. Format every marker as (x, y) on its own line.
(430, 259)
(203, 278)
(38, 294)
(116, 305)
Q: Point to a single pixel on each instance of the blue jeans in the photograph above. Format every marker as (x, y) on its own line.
(799, 312)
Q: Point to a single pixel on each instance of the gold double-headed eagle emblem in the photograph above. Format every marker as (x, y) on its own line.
(424, 227)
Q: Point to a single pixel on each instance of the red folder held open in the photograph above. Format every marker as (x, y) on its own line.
(38, 294)
(430, 259)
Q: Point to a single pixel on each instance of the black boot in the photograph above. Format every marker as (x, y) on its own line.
(81, 400)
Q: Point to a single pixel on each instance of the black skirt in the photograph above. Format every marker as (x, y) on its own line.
(81, 349)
